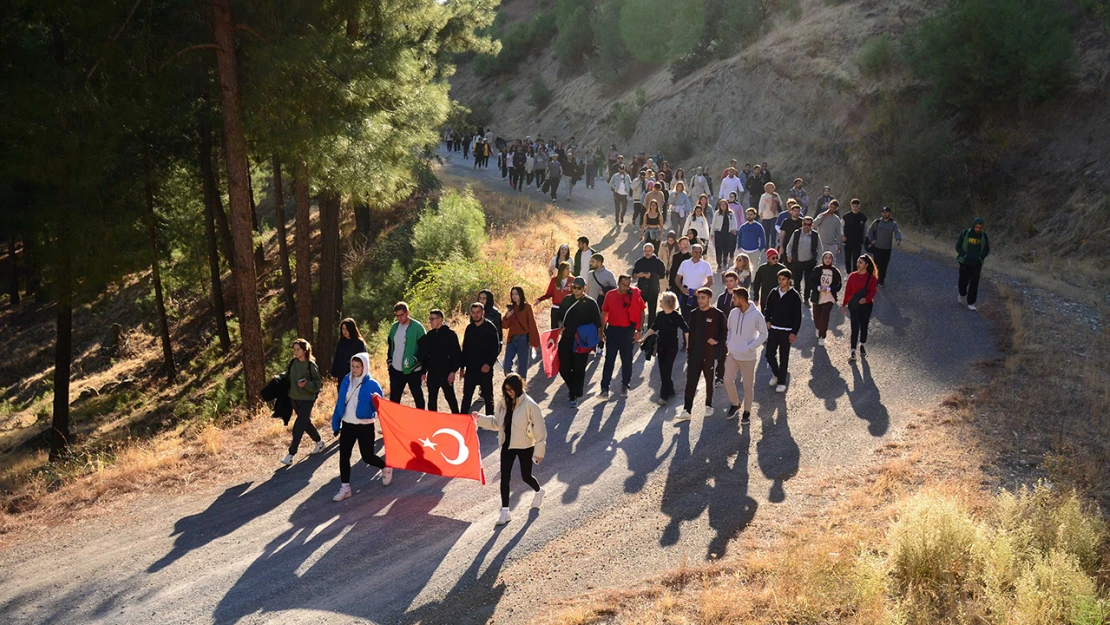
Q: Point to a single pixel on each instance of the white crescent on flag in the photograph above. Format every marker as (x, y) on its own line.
(464, 451)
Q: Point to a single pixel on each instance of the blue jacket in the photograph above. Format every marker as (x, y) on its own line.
(752, 237)
(365, 407)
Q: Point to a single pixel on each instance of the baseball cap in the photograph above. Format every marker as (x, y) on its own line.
(579, 281)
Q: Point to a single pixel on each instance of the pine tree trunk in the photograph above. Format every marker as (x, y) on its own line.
(302, 242)
(329, 269)
(156, 272)
(246, 290)
(211, 205)
(283, 244)
(362, 224)
(63, 341)
(13, 273)
(223, 227)
(259, 253)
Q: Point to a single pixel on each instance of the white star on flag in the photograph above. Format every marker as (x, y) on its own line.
(427, 442)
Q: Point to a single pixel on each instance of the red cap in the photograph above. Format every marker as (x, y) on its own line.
(772, 252)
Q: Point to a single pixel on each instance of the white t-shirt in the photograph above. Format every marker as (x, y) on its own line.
(621, 189)
(350, 407)
(695, 275)
(399, 346)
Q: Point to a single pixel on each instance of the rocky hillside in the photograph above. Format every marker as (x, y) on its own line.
(799, 97)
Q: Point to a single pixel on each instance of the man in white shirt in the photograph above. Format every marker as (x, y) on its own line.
(621, 185)
(731, 184)
(694, 273)
(746, 332)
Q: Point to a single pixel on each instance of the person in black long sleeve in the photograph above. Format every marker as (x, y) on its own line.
(666, 327)
(708, 331)
(648, 271)
(481, 344)
(580, 310)
(783, 311)
(350, 343)
(855, 231)
(725, 304)
(439, 351)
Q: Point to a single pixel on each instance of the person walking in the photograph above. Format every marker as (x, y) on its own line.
(746, 332)
(799, 195)
(725, 304)
(439, 352)
(823, 200)
(666, 328)
(590, 166)
(881, 239)
(767, 277)
(479, 353)
(699, 185)
(826, 281)
(655, 194)
(972, 248)
(681, 205)
(523, 333)
(789, 222)
(582, 256)
(404, 368)
(783, 313)
(707, 332)
(521, 436)
(539, 167)
(742, 267)
(802, 254)
(599, 281)
(305, 382)
(651, 228)
(557, 290)
(485, 298)
(679, 256)
(353, 421)
(562, 255)
(693, 274)
(621, 185)
(723, 228)
(730, 184)
(830, 228)
(613, 159)
(859, 300)
(520, 168)
(751, 238)
(698, 222)
(639, 188)
(622, 318)
(769, 207)
(649, 272)
(855, 232)
(581, 311)
(554, 177)
(350, 343)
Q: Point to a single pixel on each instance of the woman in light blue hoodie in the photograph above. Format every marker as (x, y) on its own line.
(353, 421)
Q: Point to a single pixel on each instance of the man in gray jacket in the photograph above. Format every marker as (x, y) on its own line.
(830, 228)
(882, 236)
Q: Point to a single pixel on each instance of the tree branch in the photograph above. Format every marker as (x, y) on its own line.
(250, 30)
(199, 46)
(113, 40)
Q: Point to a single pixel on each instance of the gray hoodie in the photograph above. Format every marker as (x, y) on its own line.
(883, 234)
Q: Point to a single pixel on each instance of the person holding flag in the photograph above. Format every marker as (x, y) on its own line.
(521, 435)
(353, 421)
(582, 314)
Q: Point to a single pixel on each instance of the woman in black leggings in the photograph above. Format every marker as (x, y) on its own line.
(859, 299)
(353, 422)
(521, 435)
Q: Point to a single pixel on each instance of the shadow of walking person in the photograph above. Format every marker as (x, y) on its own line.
(866, 400)
(777, 451)
(825, 380)
(641, 449)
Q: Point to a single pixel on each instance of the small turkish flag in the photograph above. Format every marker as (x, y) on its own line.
(430, 442)
(549, 342)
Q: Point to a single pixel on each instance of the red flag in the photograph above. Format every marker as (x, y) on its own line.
(549, 348)
(430, 442)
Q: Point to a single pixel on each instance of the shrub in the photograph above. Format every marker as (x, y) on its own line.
(1048, 520)
(454, 283)
(625, 116)
(877, 55)
(540, 95)
(457, 227)
(611, 61)
(372, 301)
(575, 41)
(507, 93)
(518, 41)
(980, 55)
(1053, 591)
(930, 545)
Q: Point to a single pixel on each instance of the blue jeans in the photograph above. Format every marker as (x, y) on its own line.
(517, 347)
(618, 340)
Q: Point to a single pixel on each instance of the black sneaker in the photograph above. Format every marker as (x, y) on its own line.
(732, 410)
(862, 350)
(746, 418)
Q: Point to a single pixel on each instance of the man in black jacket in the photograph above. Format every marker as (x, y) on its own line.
(648, 271)
(439, 351)
(580, 310)
(708, 331)
(766, 277)
(479, 353)
(855, 230)
(802, 253)
(783, 311)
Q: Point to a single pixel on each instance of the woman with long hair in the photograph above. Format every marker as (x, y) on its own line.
(353, 421)
(651, 226)
(304, 385)
(350, 343)
(723, 227)
(859, 299)
(827, 278)
(698, 222)
(742, 265)
(524, 334)
(667, 325)
(521, 435)
(485, 298)
(557, 289)
(562, 255)
(681, 205)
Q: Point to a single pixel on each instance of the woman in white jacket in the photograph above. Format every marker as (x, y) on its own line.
(521, 435)
(746, 332)
(697, 221)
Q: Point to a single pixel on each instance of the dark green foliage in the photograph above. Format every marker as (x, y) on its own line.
(575, 41)
(723, 30)
(519, 41)
(877, 55)
(984, 55)
(612, 61)
(540, 95)
(625, 116)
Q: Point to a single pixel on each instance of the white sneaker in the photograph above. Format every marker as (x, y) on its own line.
(774, 381)
(781, 388)
(537, 499)
(387, 476)
(709, 411)
(820, 342)
(971, 307)
(961, 299)
(288, 459)
(504, 518)
(344, 493)
(684, 416)
(317, 449)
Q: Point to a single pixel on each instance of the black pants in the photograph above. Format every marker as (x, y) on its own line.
(667, 353)
(572, 368)
(637, 212)
(508, 456)
(651, 298)
(969, 281)
(723, 245)
(484, 381)
(437, 382)
(620, 206)
(303, 423)
(365, 435)
(803, 272)
(699, 366)
(852, 252)
(882, 260)
(397, 383)
(778, 353)
(556, 317)
(519, 182)
(620, 342)
(541, 174)
(466, 149)
(552, 185)
(860, 318)
(590, 176)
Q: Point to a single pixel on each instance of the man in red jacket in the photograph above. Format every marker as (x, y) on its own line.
(622, 315)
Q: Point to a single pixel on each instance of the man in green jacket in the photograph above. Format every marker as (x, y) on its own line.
(971, 250)
(404, 368)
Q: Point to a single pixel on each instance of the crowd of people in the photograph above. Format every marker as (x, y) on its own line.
(670, 309)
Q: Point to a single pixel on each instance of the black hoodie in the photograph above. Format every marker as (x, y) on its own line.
(493, 314)
(345, 349)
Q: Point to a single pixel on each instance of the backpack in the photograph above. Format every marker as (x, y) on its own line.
(586, 339)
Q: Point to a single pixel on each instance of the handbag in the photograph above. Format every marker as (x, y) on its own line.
(859, 296)
(586, 338)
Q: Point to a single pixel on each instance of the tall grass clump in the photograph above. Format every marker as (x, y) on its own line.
(458, 227)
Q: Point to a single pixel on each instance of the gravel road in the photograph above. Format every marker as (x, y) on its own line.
(630, 493)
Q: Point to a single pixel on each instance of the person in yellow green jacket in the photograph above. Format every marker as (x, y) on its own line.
(404, 368)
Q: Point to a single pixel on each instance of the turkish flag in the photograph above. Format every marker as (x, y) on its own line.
(430, 442)
(549, 348)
